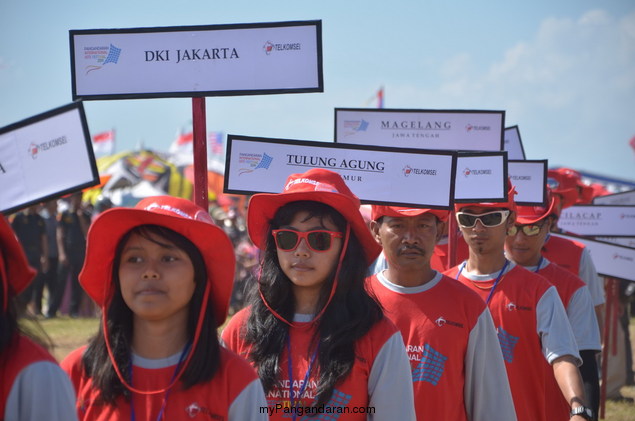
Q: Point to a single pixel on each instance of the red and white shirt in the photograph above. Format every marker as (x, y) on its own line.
(532, 327)
(451, 343)
(32, 385)
(378, 387)
(233, 394)
(577, 302)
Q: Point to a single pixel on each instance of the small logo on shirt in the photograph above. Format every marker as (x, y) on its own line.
(512, 307)
(193, 410)
(442, 321)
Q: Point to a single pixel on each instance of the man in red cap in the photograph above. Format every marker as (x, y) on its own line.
(528, 314)
(457, 366)
(524, 246)
(569, 254)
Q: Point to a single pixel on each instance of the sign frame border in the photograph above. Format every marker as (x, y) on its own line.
(415, 110)
(544, 188)
(333, 145)
(613, 195)
(76, 105)
(520, 140)
(194, 94)
(598, 235)
(469, 154)
(575, 237)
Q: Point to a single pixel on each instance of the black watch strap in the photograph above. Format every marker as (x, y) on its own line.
(583, 411)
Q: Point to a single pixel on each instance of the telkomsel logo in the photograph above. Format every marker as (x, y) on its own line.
(442, 321)
(472, 128)
(101, 56)
(618, 256)
(269, 47)
(471, 172)
(35, 149)
(408, 171)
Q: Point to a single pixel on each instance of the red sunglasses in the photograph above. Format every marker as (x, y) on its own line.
(317, 240)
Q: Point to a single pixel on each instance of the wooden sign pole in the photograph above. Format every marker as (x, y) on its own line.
(201, 197)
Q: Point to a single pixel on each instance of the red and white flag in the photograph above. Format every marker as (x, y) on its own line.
(182, 149)
(183, 144)
(632, 143)
(104, 143)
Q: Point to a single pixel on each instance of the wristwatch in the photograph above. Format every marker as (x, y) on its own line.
(582, 411)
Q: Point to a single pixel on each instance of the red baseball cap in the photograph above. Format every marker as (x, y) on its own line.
(564, 182)
(179, 215)
(317, 185)
(380, 210)
(14, 267)
(509, 204)
(531, 214)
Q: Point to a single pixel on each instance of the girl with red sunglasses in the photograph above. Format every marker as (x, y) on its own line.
(318, 341)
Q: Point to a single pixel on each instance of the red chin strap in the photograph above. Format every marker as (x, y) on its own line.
(197, 334)
(333, 288)
(5, 285)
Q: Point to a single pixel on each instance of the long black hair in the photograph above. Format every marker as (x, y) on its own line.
(205, 356)
(11, 328)
(349, 316)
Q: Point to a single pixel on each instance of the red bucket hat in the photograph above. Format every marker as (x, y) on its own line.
(380, 210)
(179, 215)
(317, 185)
(510, 204)
(14, 267)
(531, 214)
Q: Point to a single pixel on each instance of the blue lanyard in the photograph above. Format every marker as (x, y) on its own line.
(539, 263)
(498, 278)
(167, 393)
(306, 376)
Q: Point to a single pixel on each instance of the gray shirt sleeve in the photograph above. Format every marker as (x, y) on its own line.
(42, 391)
(583, 321)
(553, 327)
(379, 265)
(589, 275)
(487, 393)
(246, 406)
(390, 383)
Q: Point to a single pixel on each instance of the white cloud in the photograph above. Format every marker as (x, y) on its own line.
(570, 88)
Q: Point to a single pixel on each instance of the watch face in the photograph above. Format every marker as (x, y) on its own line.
(583, 411)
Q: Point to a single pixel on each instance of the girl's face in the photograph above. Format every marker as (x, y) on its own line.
(306, 268)
(157, 280)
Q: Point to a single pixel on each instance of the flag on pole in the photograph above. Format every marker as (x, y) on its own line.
(378, 96)
(215, 146)
(182, 148)
(632, 143)
(104, 143)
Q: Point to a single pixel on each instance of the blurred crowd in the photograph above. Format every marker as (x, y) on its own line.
(53, 235)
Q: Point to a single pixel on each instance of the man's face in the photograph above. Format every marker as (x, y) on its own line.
(408, 241)
(525, 245)
(484, 238)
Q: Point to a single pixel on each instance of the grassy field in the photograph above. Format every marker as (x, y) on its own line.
(68, 334)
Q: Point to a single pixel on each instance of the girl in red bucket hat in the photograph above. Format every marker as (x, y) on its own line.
(162, 274)
(32, 385)
(319, 342)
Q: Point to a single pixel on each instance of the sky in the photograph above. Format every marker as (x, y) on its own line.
(563, 71)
